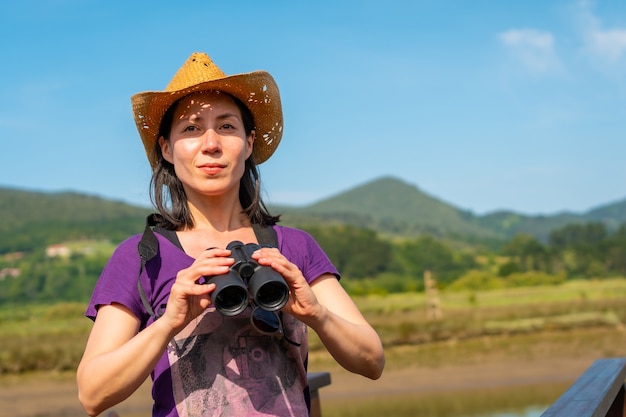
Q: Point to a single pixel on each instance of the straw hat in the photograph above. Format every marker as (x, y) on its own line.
(257, 90)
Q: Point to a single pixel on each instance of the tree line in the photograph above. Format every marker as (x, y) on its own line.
(370, 263)
(574, 251)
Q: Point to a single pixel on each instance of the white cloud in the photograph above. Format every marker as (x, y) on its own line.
(610, 44)
(533, 49)
(604, 46)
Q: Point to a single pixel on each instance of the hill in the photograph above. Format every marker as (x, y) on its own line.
(32, 220)
(390, 206)
(508, 224)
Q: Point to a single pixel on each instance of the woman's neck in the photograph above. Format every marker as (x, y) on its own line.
(218, 214)
(216, 224)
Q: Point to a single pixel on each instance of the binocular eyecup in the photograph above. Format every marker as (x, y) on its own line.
(246, 280)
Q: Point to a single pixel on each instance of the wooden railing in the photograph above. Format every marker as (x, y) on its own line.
(317, 380)
(598, 392)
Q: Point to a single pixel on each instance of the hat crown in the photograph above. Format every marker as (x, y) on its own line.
(198, 68)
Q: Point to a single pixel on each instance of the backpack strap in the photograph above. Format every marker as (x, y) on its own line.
(266, 235)
(148, 248)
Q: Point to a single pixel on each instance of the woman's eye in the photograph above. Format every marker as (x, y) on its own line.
(190, 129)
(227, 126)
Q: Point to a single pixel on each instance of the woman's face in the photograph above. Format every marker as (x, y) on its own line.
(208, 145)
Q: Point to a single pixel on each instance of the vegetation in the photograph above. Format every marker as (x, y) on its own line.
(42, 337)
(31, 221)
(86, 229)
(481, 324)
(376, 266)
(394, 208)
(369, 263)
(509, 285)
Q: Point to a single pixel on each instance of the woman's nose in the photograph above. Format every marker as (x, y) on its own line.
(211, 141)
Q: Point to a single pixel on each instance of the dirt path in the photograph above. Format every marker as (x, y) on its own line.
(55, 396)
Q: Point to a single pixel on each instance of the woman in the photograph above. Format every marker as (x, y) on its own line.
(203, 137)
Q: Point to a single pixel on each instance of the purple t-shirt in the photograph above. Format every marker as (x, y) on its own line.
(217, 365)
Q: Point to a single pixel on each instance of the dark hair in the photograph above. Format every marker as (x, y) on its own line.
(164, 183)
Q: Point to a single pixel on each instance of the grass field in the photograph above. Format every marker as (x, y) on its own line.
(513, 344)
(51, 337)
(401, 319)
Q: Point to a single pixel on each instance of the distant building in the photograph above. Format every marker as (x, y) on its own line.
(9, 273)
(13, 256)
(58, 251)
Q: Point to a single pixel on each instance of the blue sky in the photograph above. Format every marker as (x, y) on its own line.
(486, 105)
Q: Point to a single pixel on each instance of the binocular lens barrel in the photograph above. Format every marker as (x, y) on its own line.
(266, 286)
(269, 289)
(230, 296)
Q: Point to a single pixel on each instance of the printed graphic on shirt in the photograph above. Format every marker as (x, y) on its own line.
(222, 366)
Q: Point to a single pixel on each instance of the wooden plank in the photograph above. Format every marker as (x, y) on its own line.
(594, 392)
(317, 380)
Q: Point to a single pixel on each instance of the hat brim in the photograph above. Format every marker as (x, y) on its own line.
(257, 90)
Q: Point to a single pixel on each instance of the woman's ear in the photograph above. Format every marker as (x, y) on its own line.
(250, 141)
(166, 150)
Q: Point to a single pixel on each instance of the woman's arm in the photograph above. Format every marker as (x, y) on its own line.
(117, 359)
(344, 331)
(325, 307)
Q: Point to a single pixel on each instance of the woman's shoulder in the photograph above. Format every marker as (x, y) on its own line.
(292, 239)
(291, 234)
(159, 244)
(128, 245)
(304, 251)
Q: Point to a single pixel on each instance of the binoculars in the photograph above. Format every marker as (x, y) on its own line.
(247, 279)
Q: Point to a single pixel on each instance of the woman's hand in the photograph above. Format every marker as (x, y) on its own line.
(303, 303)
(188, 296)
(330, 312)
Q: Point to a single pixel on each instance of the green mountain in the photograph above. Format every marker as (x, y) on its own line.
(613, 214)
(32, 220)
(392, 207)
(509, 223)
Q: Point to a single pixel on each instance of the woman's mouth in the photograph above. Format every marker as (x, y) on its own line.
(211, 169)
